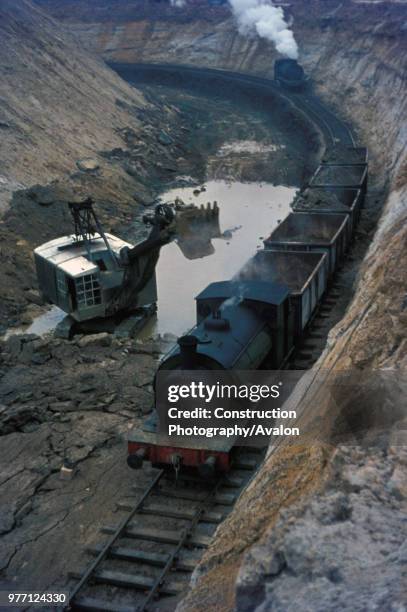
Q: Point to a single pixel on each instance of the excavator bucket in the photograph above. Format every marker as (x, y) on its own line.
(195, 227)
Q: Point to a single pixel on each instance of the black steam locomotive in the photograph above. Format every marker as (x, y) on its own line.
(290, 74)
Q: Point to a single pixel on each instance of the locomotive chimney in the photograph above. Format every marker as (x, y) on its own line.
(188, 346)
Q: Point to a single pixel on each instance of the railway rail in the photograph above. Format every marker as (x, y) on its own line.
(151, 553)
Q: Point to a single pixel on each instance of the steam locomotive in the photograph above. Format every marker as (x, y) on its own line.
(262, 313)
(290, 74)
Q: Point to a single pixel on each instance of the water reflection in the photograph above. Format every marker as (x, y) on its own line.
(248, 211)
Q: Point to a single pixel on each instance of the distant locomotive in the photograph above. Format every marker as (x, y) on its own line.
(262, 313)
(290, 74)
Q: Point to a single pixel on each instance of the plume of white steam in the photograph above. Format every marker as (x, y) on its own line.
(268, 21)
(178, 3)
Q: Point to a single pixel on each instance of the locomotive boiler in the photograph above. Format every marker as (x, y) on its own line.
(238, 325)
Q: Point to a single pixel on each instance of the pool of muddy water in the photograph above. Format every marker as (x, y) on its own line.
(248, 213)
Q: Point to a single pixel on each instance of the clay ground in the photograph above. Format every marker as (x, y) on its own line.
(75, 403)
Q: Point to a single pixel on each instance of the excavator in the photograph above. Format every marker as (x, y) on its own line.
(104, 283)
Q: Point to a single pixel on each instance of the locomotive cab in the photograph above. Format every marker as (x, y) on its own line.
(239, 325)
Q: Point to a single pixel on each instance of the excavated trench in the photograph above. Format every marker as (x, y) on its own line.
(75, 401)
(86, 394)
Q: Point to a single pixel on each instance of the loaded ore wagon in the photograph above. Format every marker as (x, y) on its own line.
(340, 176)
(330, 200)
(317, 232)
(346, 156)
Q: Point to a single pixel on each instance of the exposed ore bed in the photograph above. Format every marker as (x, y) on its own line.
(241, 138)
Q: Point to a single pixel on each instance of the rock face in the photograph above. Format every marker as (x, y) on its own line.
(51, 100)
(345, 548)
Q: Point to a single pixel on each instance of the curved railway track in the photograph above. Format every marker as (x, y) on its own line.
(333, 128)
(147, 559)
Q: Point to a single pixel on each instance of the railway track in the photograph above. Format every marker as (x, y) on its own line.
(150, 554)
(335, 130)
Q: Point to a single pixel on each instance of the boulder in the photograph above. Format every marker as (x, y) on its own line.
(88, 164)
(102, 339)
(164, 139)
